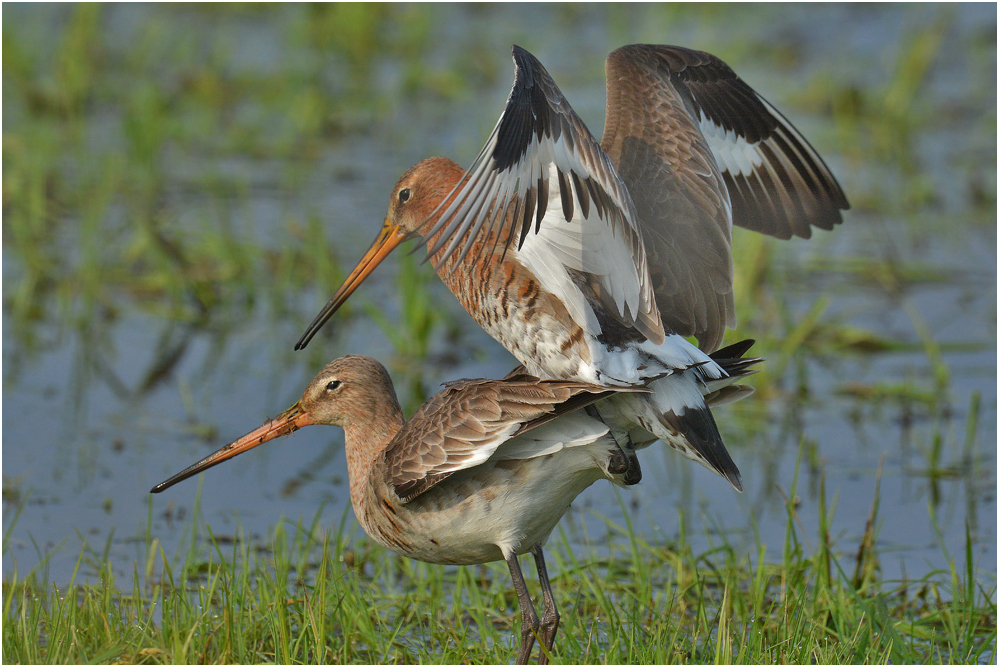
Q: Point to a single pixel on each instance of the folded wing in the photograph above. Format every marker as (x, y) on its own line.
(465, 424)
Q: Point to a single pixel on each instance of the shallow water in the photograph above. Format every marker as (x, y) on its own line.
(101, 405)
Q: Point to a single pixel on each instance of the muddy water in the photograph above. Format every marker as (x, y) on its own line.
(96, 412)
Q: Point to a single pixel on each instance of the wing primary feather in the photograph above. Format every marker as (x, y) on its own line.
(597, 196)
(513, 226)
(529, 209)
(543, 201)
(791, 207)
(582, 195)
(456, 196)
(799, 160)
(566, 194)
(508, 201)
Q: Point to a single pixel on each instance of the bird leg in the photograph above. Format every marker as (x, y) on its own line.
(618, 462)
(550, 616)
(529, 618)
(634, 473)
(621, 460)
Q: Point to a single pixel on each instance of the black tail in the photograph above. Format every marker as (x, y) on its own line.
(693, 430)
(732, 361)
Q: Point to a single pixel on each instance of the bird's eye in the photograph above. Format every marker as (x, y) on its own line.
(332, 385)
(404, 195)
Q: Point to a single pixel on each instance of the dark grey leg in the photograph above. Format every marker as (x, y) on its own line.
(550, 616)
(618, 462)
(529, 618)
(634, 474)
(621, 460)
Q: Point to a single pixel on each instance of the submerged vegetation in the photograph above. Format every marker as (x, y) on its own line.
(157, 170)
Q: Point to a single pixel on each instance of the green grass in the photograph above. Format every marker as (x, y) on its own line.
(91, 176)
(307, 595)
(93, 226)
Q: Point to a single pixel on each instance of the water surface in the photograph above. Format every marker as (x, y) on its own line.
(209, 142)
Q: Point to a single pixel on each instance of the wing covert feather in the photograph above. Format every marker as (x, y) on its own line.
(463, 426)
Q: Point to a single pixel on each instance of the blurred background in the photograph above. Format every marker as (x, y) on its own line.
(184, 187)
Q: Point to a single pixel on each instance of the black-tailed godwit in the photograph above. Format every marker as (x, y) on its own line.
(481, 472)
(592, 261)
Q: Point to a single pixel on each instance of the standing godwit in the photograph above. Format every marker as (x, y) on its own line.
(591, 261)
(481, 472)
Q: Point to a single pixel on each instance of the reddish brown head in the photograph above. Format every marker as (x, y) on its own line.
(419, 191)
(414, 198)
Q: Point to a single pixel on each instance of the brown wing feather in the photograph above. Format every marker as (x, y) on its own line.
(792, 189)
(678, 192)
(662, 100)
(461, 426)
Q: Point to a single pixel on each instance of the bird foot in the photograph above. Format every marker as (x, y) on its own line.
(625, 465)
(617, 462)
(528, 635)
(634, 473)
(546, 636)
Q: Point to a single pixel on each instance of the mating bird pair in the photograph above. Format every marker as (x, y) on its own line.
(590, 261)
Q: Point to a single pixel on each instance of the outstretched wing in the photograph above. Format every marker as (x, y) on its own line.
(699, 150)
(543, 188)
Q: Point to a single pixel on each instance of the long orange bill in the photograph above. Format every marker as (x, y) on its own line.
(388, 238)
(284, 424)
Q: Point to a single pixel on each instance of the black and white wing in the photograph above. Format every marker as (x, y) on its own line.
(545, 190)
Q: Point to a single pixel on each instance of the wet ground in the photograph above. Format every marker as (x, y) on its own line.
(229, 137)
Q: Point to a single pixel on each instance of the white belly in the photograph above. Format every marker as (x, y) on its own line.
(503, 506)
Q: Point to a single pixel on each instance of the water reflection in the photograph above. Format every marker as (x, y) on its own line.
(163, 253)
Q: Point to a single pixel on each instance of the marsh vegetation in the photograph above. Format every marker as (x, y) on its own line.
(182, 188)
